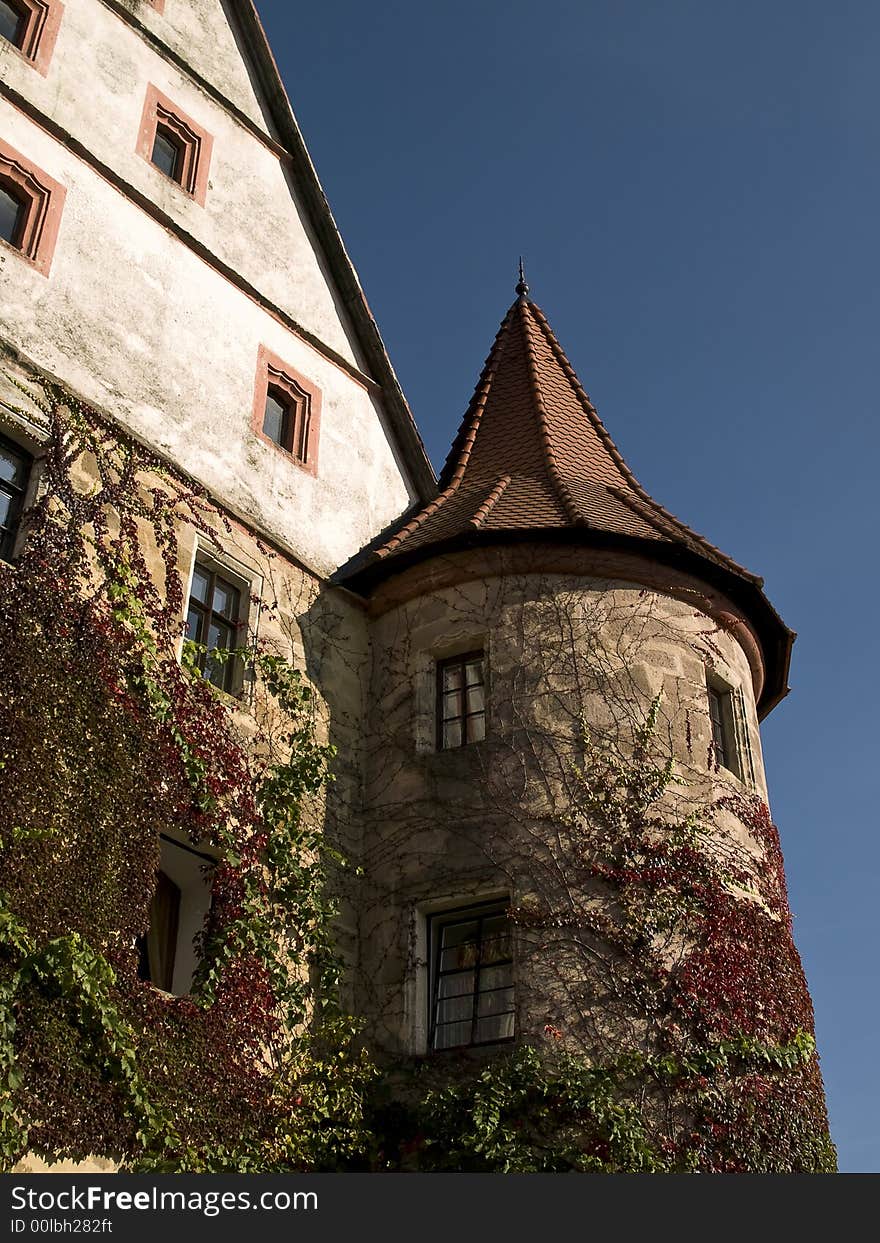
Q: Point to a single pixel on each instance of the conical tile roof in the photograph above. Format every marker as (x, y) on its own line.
(532, 456)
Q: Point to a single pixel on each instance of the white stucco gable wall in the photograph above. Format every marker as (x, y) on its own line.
(251, 219)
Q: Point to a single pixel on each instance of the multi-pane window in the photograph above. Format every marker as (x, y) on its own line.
(471, 977)
(13, 22)
(13, 213)
(168, 153)
(214, 620)
(721, 714)
(15, 468)
(461, 701)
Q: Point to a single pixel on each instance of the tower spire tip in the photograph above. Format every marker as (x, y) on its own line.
(522, 288)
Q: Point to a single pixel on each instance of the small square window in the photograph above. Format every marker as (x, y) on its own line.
(15, 471)
(721, 715)
(287, 410)
(461, 701)
(31, 203)
(471, 988)
(175, 144)
(214, 620)
(31, 26)
(13, 22)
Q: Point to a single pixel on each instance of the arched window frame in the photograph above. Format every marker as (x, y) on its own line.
(43, 200)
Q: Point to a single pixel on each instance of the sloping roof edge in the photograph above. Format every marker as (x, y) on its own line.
(409, 442)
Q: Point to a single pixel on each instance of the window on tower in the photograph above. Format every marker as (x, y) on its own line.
(724, 735)
(471, 984)
(461, 701)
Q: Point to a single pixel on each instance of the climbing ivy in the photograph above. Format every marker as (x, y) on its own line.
(674, 931)
(107, 740)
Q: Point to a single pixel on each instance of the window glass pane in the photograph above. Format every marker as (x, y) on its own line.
(225, 599)
(193, 621)
(451, 705)
(11, 213)
(452, 734)
(11, 22)
(474, 670)
(451, 1035)
(219, 635)
(13, 467)
(199, 589)
(476, 699)
(451, 677)
(476, 728)
(499, 1001)
(276, 420)
(496, 977)
(488, 1030)
(459, 984)
(166, 153)
(5, 508)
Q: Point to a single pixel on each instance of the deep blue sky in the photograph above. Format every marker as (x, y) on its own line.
(696, 189)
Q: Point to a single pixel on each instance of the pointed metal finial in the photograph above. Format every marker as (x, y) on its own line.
(522, 288)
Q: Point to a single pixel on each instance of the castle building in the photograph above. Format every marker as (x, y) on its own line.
(166, 253)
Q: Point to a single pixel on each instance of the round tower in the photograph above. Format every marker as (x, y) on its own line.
(567, 848)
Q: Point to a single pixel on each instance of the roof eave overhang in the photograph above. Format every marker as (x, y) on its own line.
(404, 430)
(774, 637)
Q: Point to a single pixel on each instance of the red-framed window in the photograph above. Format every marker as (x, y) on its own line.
(31, 27)
(31, 203)
(287, 410)
(175, 144)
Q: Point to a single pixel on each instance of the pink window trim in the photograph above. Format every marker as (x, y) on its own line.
(44, 202)
(42, 21)
(273, 371)
(196, 141)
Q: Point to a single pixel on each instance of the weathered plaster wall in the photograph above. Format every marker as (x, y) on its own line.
(140, 326)
(95, 92)
(199, 32)
(446, 827)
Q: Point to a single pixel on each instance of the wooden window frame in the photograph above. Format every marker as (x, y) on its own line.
(450, 662)
(302, 395)
(9, 538)
(723, 727)
(233, 669)
(42, 20)
(475, 912)
(195, 141)
(43, 199)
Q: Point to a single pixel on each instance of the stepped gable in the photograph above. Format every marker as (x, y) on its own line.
(532, 456)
